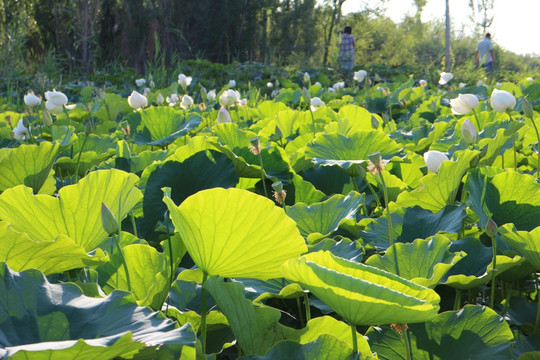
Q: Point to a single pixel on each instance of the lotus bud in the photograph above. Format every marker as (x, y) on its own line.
(140, 82)
(306, 77)
(20, 132)
(279, 133)
(56, 98)
(204, 94)
(361, 171)
(502, 100)
(211, 96)
(464, 104)
(462, 85)
(228, 98)
(527, 108)
(232, 83)
(377, 78)
(316, 103)
(491, 228)
(269, 85)
(31, 100)
(445, 78)
(306, 95)
(223, 116)
(109, 223)
(374, 122)
(360, 75)
(47, 118)
(88, 127)
(184, 81)
(468, 132)
(480, 83)
(187, 102)
(160, 99)
(152, 84)
(137, 100)
(434, 159)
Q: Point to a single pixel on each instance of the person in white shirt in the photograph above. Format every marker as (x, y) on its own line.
(484, 54)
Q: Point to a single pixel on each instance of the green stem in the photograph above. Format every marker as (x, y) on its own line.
(308, 310)
(133, 223)
(538, 137)
(385, 193)
(354, 339)
(121, 253)
(493, 281)
(353, 178)
(407, 342)
(203, 313)
(79, 157)
(513, 145)
(537, 322)
(457, 301)
(67, 114)
(312, 119)
(262, 175)
(374, 193)
(476, 118)
(300, 315)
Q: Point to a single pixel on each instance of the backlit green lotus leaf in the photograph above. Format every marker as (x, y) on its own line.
(344, 248)
(352, 118)
(236, 233)
(29, 165)
(319, 220)
(526, 243)
(76, 213)
(299, 190)
(95, 150)
(356, 146)
(424, 262)
(422, 137)
(49, 257)
(496, 136)
(162, 125)
(476, 268)
(362, 294)
(508, 197)
(474, 332)
(40, 320)
(410, 223)
(438, 190)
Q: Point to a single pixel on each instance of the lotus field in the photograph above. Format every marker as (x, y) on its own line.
(287, 220)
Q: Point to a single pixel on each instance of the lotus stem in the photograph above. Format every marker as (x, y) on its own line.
(407, 342)
(300, 315)
(308, 310)
(538, 155)
(120, 251)
(537, 322)
(476, 118)
(354, 339)
(203, 313)
(79, 157)
(385, 193)
(312, 120)
(513, 145)
(263, 176)
(457, 301)
(493, 280)
(374, 194)
(133, 223)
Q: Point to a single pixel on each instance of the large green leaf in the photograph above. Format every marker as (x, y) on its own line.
(362, 294)
(29, 165)
(326, 149)
(235, 233)
(92, 150)
(319, 220)
(474, 332)
(413, 223)
(76, 212)
(203, 170)
(148, 275)
(50, 257)
(526, 243)
(424, 262)
(162, 125)
(438, 190)
(508, 197)
(39, 316)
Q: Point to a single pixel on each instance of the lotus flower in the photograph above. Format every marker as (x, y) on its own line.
(316, 103)
(20, 132)
(464, 104)
(339, 85)
(187, 102)
(184, 80)
(269, 85)
(445, 78)
(422, 82)
(31, 100)
(232, 83)
(160, 99)
(172, 100)
(140, 82)
(462, 85)
(434, 159)
(55, 101)
(137, 100)
(502, 100)
(242, 102)
(229, 98)
(306, 77)
(468, 132)
(223, 116)
(359, 75)
(211, 96)
(480, 83)
(331, 89)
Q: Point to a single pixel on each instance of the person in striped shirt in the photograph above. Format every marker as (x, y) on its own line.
(346, 49)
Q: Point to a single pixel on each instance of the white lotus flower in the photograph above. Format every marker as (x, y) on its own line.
(56, 97)
(137, 100)
(434, 159)
(53, 108)
(232, 83)
(140, 82)
(306, 77)
(445, 78)
(31, 100)
(146, 91)
(502, 100)
(462, 85)
(316, 103)
(20, 132)
(464, 104)
(223, 116)
(480, 83)
(318, 84)
(359, 75)
(530, 79)
(160, 99)
(332, 90)
(468, 132)
(242, 102)
(422, 82)
(172, 99)
(498, 84)
(184, 80)
(211, 96)
(339, 85)
(229, 98)
(187, 102)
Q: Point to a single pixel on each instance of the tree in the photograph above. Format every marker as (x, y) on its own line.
(335, 14)
(447, 49)
(485, 8)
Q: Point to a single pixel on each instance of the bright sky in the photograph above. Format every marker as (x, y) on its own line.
(514, 28)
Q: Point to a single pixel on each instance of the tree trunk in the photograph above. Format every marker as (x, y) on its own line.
(447, 52)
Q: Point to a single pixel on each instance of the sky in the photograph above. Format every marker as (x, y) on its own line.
(515, 27)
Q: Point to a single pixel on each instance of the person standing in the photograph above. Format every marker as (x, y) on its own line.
(484, 54)
(346, 49)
